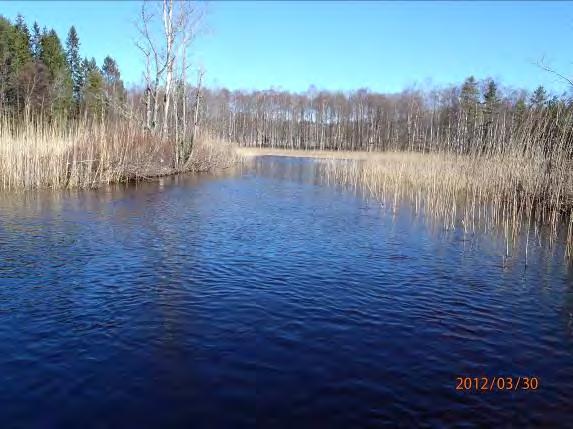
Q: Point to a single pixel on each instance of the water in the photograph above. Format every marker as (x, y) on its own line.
(264, 297)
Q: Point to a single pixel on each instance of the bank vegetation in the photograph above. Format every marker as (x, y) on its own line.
(67, 121)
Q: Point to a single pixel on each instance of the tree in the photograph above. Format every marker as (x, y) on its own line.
(52, 53)
(110, 70)
(21, 45)
(74, 63)
(113, 85)
(469, 94)
(35, 41)
(54, 58)
(165, 34)
(93, 90)
(539, 97)
(490, 97)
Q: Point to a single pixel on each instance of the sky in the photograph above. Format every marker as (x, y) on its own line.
(383, 46)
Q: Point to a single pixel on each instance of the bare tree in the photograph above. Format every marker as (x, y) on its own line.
(166, 31)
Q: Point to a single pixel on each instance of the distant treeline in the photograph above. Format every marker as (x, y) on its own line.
(473, 117)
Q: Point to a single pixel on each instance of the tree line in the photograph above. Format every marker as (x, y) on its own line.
(476, 116)
(39, 75)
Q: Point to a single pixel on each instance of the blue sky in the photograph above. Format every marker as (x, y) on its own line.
(340, 45)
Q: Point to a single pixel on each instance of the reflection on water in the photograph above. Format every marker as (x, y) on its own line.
(264, 296)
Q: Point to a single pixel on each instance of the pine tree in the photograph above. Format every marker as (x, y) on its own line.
(539, 97)
(114, 85)
(74, 63)
(22, 27)
(110, 70)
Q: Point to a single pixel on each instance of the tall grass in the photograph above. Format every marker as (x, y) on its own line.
(505, 193)
(37, 154)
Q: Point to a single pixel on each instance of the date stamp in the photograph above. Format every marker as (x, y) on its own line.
(497, 383)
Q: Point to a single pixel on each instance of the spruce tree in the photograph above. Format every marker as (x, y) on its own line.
(74, 62)
(53, 56)
(469, 94)
(21, 52)
(539, 97)
(35, 41)
(110, 70)
(490, 98)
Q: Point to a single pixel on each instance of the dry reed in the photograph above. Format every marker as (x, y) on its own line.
(35, 154)
(503, 193)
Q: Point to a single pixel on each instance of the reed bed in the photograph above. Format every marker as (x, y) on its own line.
(35, 154)
(504, 193)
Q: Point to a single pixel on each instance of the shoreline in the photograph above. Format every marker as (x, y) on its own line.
(301, 153)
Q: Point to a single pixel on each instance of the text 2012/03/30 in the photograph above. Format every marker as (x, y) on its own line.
(497, 383)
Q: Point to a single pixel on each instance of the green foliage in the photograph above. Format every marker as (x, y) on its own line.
(35, 41)
(490, 97)
(52, 54)
(54, 58)
(539, 97)
(520, 107)
(93, 89)
(20, 45)
(110, 70)
(74, 63)
(113, 84)
(14, 56)
(469, 95)
(36, 72)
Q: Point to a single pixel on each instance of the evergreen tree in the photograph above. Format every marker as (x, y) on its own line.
(520, 107)
(490, 96)
(469, 95)
(539, 97)
(88, 66)
(52, 54)
(20, 45)
(469, 100)
(35, 41)
(74, 62)
(114, 85)
(93, 90)
(5, 59)
(54, 58)
(21, 25)
(110, 70)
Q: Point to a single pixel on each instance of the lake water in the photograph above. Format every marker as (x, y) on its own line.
(263, 297)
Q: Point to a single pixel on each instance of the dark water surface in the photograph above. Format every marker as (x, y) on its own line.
(265, 298)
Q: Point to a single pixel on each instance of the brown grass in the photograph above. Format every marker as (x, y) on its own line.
(85, 155)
